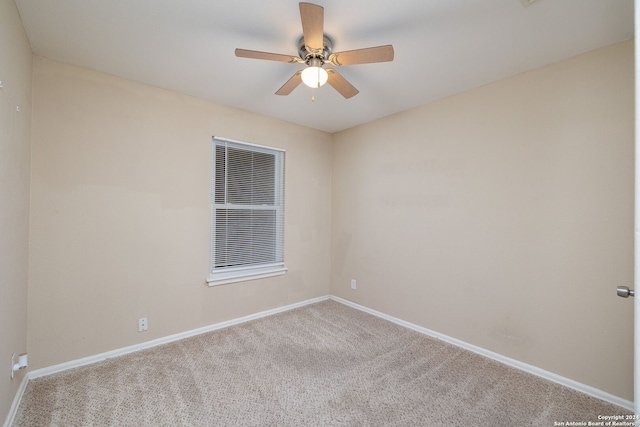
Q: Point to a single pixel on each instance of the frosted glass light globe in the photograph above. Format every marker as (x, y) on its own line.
(314, 76)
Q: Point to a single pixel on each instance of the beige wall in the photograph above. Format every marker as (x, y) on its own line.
(502, 217)
(15, 74)
(120, 213)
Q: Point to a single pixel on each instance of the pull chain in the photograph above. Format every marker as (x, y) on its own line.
(313, 98)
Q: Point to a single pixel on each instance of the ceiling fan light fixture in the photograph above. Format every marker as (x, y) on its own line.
(315, 49)
(314, 77)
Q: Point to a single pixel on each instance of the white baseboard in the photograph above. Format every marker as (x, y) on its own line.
(607, 397)
(16, 402)
(137, 347)
(591, 391)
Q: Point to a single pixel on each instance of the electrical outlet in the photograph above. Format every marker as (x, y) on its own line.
(143, 324)
(353, 283)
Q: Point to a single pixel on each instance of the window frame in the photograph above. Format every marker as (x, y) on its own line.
(225, 275)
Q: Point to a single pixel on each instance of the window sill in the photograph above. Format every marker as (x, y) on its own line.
(225, 277)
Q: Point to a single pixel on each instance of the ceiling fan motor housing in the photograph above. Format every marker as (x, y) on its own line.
(308, 55)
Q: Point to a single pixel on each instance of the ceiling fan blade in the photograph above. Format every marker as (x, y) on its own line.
(340, 84)
(291, 84)
(312, 17)
(363, 56)
(254, 54)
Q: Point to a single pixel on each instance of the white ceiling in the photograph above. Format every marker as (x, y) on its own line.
(441, 47)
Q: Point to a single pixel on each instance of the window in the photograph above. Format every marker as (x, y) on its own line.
(247, 212)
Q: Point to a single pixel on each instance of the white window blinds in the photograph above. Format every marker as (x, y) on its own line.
(247, 210)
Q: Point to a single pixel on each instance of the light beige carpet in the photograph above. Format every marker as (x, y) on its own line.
(321, 365)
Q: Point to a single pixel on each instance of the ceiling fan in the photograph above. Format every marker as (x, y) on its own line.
(315, 50)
